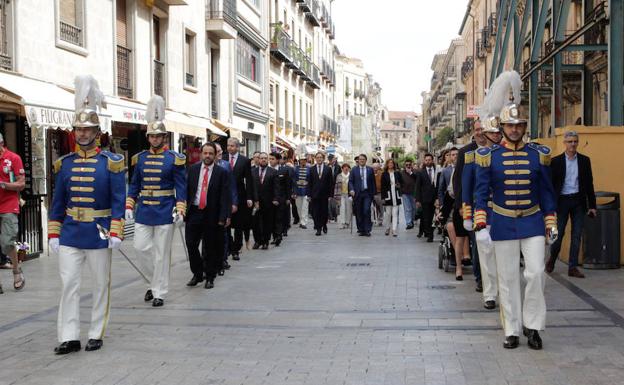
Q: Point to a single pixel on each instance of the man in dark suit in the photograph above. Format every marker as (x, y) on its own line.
(284, 191)
(362, 188)
(574, 183)
(241, 213)
(333, 165)
(426, 195)
(210, 199)
(320, 183)
(266, 202)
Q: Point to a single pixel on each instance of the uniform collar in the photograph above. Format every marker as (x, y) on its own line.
(89, 153)
(511, 146)
(158, 151)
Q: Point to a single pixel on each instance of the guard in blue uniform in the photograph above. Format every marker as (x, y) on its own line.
(300, 181)
(487, 260)
(157, 193)
(517, 175)
(86, 220)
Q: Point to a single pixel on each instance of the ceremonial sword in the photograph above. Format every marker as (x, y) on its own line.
(104, 234)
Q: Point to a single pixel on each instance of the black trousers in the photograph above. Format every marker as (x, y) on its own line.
(211, 238)
(263, 224)
(282, 220)
(319, 212)
(240, 228)
(428, 210)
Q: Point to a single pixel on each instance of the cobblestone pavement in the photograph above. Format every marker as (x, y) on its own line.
(338, 309)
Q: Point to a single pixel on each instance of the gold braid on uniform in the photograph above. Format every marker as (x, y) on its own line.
(483, 160)
(469, 157)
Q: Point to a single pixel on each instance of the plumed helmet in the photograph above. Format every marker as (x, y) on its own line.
(155, 115)
(498, 101)
(510, 114)
(87, 98)
(490, 124)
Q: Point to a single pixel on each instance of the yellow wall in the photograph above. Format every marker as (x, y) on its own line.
(604, 145)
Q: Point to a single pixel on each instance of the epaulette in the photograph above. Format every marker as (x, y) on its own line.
(469, 157)
(483, 157)
(544, 153)
(59, 162)
(135, 158)
(180, 159)
(115, 162)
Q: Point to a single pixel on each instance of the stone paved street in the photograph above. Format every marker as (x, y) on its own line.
(339, 309)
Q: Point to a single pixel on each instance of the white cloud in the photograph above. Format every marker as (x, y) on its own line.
(396, 39)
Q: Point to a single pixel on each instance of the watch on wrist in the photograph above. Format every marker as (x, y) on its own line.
(3, 185)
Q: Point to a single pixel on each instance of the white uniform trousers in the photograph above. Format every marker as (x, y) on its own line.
(71, 261)
(153, 244)
(515, 312)
(487, 263)
(391, 218)
(302, 209)
(346, 209)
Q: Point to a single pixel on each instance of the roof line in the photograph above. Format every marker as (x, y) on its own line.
(463, 24)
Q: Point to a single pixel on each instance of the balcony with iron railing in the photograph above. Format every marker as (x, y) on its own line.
(124, 74)
(70, 33)
(221, 18)
(6, 62)
(214, 101)
(159, 78)
(281, 44)
(492, 25)
(485, 39)
(481, 51)
(304, 5)
(332, 32)
(312, 13)
(467, 67)
(324, 15)
(316, 77)
(297, 58)
(189, 79)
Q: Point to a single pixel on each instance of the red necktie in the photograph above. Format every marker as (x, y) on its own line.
(203, 196)
(232, 162)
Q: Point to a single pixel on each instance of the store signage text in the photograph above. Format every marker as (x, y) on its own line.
(50, 117)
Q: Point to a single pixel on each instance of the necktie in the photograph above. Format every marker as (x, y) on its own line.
(262, 175)
(363, 175)
(204, 189)
(320, 171)
(232, 162)
(431, 176)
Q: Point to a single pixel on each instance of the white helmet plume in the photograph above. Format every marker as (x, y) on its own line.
(88, 92)
(155, 109)
(498, 94)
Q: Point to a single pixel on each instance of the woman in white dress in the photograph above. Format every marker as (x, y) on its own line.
(341, 195)
(391, 194)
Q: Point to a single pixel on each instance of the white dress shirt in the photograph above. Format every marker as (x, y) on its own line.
(202, 171)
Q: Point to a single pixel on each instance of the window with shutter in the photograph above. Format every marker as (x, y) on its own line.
(122, 25)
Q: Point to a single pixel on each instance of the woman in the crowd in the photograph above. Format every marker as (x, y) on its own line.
(391, 195)
(341, 195)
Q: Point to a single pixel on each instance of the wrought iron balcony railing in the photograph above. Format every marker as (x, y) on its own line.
(159, 78)
(281, 44)
(214, 101)
(222, 9)
(70, 33)
(124, 73)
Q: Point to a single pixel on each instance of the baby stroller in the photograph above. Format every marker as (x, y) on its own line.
(446, 253)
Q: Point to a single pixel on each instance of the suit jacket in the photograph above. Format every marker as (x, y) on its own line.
(284, 184)
(219, 197)
(386, 188)
(425, 189)
(268, 190)
(320, 188)
(242, 176)
(459, 169)
(586, 178)
(355, 181)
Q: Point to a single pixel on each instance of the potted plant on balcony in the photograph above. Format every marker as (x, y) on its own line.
(348, 92)
(278, 28)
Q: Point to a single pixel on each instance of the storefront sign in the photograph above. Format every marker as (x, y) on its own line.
(52, 117)
(472, 111)
(133, 116)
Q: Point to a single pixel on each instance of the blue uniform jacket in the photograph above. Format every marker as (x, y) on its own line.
(468, 180)
(158, 184)
(523, 198)
(300, 180)
(90, 189)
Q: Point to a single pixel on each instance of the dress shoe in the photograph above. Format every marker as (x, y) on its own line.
(550, 265)
(195, 280)
(490, 305)
(479, 288)
(430, 240)
(387, 232)
(419, 235)
(93, 345)
(67, 347)
(459, 277)
(236, 256)
(318, 233)
(221, 273)
(209, 284)
(367, 234)
(409, 227)
(157, 302)
(226, 265)
(148, 296)
(303, 227)
(576, 273)
(511, 342)
(265, 246)
(278, 242)
(325, 229)
(535, 341)
(256, 246)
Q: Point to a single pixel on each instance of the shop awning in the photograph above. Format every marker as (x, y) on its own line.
(286, 141)
(45, 104)
(207, 123)
(222, 125)
(183, 124)
(275, 144)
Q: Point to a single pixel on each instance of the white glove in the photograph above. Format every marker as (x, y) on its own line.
(129, 214)
(114, 243)
(483, 236)
(53, 245)
(468, 224)
(178, 220)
